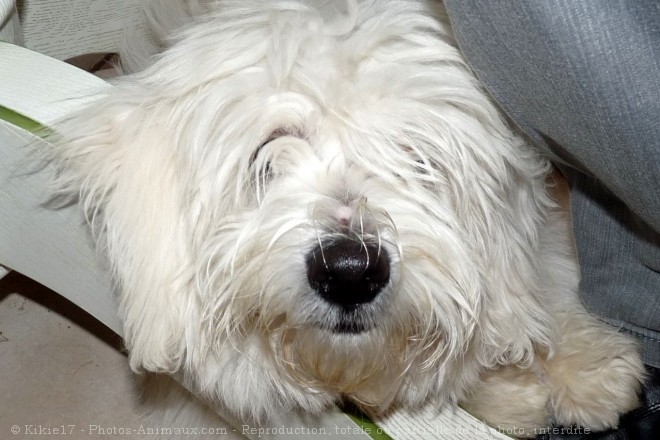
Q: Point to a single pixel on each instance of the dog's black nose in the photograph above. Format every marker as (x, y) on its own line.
(348, 272)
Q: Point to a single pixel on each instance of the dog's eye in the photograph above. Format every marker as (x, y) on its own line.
(260, 161)
(419, 162)
(274, 135)
(261, 164)
(255, 155)
(279, 133)
(423, 167)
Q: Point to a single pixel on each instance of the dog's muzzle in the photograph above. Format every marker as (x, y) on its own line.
(347, 272)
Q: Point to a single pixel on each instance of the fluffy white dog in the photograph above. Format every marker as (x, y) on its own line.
(303, 203)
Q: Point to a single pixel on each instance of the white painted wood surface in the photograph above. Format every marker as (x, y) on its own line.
(10, 28)
(50, 246)
(42, 87)
(66, 28)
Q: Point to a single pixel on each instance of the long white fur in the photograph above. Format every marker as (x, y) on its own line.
(211, 174)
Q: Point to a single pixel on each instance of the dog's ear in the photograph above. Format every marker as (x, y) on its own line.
(505, 210)
(115, 158)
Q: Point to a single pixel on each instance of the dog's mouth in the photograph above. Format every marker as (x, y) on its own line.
(349, 279)
(350, 327)
(347, 320)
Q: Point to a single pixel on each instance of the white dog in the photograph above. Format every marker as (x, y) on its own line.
(303, 203)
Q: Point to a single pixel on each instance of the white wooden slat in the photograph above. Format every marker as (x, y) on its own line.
(66, 28)
(10, 28)
(431, 423)
(51, 246)
(42, 87)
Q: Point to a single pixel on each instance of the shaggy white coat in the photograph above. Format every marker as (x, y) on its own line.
(209, 175)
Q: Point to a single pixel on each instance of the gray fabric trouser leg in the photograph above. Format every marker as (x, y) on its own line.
(582, 80)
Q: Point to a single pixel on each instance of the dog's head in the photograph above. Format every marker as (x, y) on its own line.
(298, 207)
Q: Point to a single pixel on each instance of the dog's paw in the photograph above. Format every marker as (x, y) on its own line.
(512, 399)
(592, 386)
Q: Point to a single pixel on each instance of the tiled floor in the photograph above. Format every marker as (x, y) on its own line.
(59, 368)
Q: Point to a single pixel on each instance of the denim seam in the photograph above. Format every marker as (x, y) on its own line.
(622, 326)
(641, 335)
